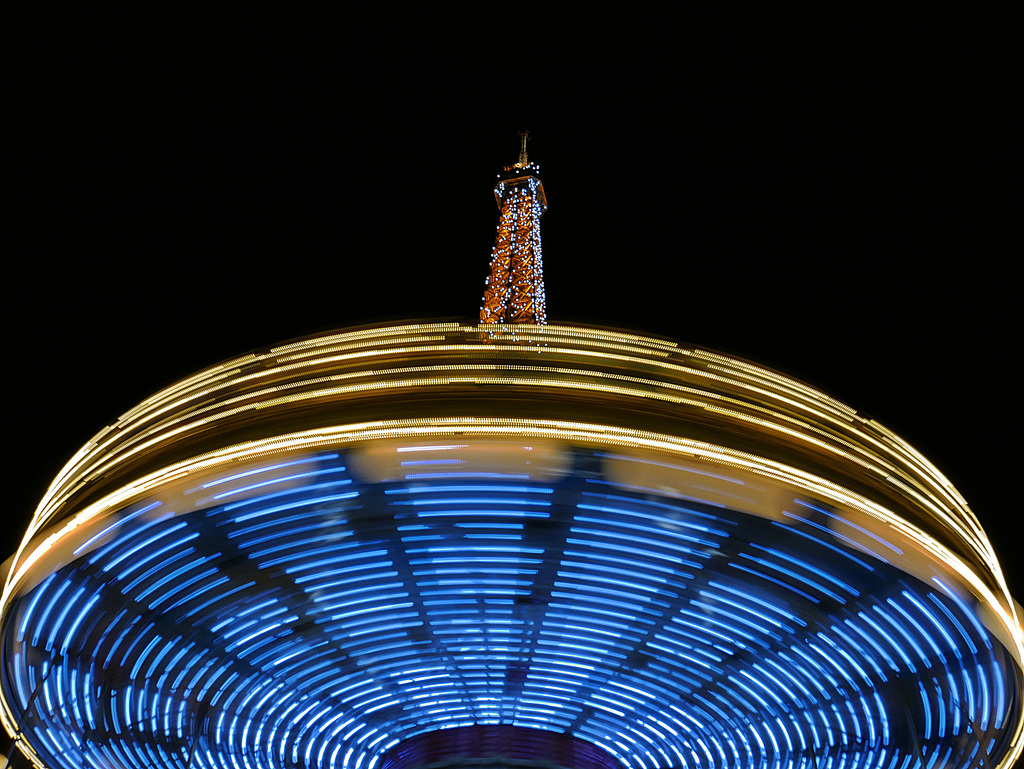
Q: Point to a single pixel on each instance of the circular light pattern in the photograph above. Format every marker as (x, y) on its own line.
(366, 549)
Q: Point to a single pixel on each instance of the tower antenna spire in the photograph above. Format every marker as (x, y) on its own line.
(524, 137)
(515, 285)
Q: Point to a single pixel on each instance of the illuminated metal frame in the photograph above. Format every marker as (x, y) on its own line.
(644, 441)
(515, 286)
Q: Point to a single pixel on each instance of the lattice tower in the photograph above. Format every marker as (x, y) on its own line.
(515, 286)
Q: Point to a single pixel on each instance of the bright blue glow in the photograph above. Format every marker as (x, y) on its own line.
(289, 479)
(318, 618)
(138, 546)
(900, 625)
(118, 522)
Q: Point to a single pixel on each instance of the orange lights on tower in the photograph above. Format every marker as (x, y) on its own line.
(515, 286)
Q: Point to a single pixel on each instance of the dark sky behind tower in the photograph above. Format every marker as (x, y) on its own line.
(849, 222)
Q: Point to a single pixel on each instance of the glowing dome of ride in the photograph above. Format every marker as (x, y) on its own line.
(438, 544)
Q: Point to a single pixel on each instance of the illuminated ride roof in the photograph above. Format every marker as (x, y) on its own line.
(435, 545)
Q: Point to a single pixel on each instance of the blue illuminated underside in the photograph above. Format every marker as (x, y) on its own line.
(309, 619)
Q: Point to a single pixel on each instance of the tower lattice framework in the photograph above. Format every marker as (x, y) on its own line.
(515, 286)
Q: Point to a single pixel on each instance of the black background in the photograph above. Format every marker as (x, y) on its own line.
(845, 217)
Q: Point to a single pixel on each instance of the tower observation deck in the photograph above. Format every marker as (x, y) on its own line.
(421, 545)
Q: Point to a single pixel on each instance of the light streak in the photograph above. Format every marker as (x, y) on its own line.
(607, 560)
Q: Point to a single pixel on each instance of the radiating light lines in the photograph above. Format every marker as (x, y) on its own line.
(310, 556)
(312, 624)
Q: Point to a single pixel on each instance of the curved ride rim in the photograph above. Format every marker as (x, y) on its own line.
(62, 519)
(432, 360)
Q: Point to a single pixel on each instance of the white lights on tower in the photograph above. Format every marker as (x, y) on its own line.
(515, 285)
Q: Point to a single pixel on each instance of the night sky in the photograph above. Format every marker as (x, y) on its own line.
(850, 223)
